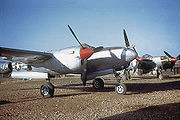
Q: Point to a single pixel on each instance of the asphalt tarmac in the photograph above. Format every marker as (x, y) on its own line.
(147, 98)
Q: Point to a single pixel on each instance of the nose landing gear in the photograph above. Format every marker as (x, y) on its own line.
(120, 88)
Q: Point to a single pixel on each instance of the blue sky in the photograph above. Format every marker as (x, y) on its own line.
(152, 25)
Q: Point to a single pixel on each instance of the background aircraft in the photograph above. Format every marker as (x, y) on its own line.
(148, 63)
(90, 62)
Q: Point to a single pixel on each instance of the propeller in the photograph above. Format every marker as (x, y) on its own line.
(84, 72)
(173, 59)
(138, 59)
(85, 53)
(127, 41)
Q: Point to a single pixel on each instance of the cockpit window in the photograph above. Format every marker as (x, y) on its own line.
(146, 56)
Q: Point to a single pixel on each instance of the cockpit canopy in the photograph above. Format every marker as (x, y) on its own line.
(146, 56)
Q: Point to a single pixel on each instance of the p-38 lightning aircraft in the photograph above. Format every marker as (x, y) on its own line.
(148, 63)
(88, 61)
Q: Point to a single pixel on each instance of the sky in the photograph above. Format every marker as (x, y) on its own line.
(41, 25)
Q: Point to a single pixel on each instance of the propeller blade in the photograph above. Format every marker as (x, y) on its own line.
(75, 36)
(126, 38)
(168, 54)
(178, 57)
(84, 72)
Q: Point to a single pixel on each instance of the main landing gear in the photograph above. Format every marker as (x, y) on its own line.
(98, 84)
(47, 90)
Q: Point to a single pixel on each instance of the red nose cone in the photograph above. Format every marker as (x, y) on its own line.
(174, 59)
(86, 53)
(139, 58)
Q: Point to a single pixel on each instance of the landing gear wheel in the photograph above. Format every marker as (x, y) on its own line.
(47, 90)
(98, 84)
(121, 89)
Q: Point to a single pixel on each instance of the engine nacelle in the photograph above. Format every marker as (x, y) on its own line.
(5, 67)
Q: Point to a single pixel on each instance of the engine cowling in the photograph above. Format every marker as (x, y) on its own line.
(5, 67)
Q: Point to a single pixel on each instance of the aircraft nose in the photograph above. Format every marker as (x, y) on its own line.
(130, 55)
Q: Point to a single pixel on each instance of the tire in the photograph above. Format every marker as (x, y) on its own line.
(121, 89)
(98, 83)
(47, 90)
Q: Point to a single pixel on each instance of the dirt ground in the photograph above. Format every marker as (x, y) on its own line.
(146, 98)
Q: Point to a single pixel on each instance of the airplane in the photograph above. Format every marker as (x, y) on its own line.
(148, 63)
(86, 60)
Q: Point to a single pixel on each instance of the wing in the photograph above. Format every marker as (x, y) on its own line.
(25, 56)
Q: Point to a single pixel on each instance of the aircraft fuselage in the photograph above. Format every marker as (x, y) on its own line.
(69, 60)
